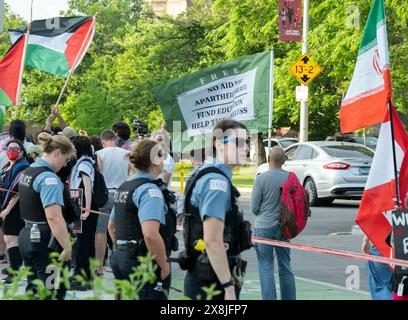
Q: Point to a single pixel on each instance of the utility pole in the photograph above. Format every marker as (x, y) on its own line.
(304, 107)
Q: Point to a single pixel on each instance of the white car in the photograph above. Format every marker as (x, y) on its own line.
(328, 169)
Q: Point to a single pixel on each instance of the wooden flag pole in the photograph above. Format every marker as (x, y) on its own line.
(75, 62)
(20, 82)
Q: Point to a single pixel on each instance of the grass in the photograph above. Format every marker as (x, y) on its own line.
(243, 177)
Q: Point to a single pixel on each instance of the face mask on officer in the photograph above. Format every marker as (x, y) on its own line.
(13, 153)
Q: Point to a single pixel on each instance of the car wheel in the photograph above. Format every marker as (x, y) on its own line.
(311, 190)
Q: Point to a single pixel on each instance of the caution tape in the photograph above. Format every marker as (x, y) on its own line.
(83, 209)
(339, 253)
(7, 190)
(96, 212)
(333, 252)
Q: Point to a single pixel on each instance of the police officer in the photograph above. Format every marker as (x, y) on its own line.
(214, 230)
(137, 222)
(41, 200)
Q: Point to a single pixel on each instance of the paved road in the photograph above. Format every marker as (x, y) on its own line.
(329, 227)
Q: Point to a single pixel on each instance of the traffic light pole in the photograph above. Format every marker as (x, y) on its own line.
(304, 107)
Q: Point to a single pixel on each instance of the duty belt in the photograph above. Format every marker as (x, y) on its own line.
(42, 227)
(121, 247)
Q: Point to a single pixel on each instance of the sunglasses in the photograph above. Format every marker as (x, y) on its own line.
(13, 149)
(240, 142)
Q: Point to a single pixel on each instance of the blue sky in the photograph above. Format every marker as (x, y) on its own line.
(42, 9)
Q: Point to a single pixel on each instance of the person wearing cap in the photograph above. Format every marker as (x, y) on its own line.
(69, 132)
(33, 152)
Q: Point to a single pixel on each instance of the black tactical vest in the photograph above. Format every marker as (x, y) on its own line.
(31, 207)
(237, 234)
(127, 223)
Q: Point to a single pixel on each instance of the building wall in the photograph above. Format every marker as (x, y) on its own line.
(170, 7)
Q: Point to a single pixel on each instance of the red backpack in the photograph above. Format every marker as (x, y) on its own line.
(295, 208)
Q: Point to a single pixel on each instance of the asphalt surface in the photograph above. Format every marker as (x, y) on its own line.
(329, 227)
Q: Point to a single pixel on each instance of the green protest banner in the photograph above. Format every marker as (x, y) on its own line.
(238, 89)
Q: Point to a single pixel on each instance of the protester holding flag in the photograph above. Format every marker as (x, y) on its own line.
(55, 115)
(10, 208)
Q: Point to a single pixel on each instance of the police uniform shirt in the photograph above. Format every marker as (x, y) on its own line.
(212, 193)
(48, 185)
(149, 200)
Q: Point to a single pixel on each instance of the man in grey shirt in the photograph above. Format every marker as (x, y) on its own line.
(266, 202)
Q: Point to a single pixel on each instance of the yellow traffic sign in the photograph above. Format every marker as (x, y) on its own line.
(305, 70)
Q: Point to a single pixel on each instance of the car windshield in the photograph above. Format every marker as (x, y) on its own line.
(287, 143)
(348, 152)
(370, 141)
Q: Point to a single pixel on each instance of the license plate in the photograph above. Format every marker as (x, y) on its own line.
(364, 170)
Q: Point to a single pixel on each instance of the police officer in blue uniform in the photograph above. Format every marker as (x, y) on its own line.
(41, 202)
(214, 230)
(138, 221)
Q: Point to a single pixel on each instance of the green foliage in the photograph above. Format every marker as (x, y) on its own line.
(144, 273)
(134, 51)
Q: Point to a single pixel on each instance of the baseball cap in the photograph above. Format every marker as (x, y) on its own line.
(69, 132)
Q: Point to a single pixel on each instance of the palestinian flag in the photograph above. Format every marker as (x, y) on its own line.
(57, 45)
(10, 70)
(365, 103)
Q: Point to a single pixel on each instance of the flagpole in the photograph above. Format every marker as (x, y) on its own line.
(271, 69)
(75, 62)
(394, 155)
(20, 82)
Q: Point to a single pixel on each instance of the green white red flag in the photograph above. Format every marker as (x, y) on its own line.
(365, 103)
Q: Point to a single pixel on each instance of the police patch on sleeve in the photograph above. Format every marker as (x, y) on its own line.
(218, 185)
(51, 181)
(153, 193)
